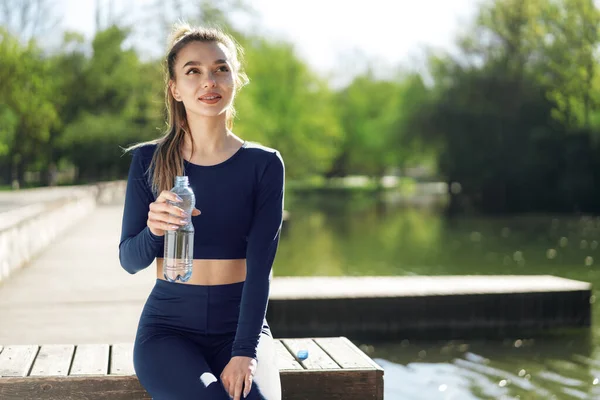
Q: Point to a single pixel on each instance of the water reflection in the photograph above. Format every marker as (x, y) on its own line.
(542, 368)
(356, 235)
(346, 235)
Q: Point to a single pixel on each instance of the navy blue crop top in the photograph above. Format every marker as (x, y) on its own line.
(241, 200)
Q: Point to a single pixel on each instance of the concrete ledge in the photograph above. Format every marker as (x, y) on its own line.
(26, 231)
(433, 307)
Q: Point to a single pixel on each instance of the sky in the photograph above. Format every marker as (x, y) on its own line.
(329, 34)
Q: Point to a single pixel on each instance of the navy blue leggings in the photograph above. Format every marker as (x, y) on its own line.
(184, 341)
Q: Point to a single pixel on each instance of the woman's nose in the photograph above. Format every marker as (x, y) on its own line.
(210, 81)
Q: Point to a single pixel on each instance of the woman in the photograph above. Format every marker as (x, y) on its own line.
(206, 338)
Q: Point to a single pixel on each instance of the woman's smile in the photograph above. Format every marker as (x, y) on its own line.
(210, 98)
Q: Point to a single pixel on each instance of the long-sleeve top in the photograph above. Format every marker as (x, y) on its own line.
(241, 204)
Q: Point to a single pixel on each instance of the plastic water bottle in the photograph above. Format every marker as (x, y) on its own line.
(179, 244)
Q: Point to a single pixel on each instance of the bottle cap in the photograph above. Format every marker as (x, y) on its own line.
(302, 355)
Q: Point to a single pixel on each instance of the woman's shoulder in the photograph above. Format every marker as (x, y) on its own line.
(142, 153)
(269, 164)
(144, 150)
(262, 153)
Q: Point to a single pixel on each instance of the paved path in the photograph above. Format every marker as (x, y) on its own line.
(76, 290)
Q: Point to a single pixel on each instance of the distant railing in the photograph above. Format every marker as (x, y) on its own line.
(26, 231)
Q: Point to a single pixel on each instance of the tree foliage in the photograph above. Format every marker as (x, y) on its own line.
(514, 117)
(513, 113)
(375, 116)
(288, 107)
(27, 112)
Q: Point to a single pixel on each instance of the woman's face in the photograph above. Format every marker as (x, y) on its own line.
(204, 79)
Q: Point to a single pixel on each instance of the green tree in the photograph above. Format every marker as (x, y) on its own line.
(286, 106)
(375, 115)
(113, 100)
(501, 110)
(571, 68)
(27, 111)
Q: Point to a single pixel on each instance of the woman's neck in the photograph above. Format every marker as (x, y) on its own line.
(210, 136)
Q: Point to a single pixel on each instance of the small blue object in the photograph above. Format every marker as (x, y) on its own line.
(302, 355)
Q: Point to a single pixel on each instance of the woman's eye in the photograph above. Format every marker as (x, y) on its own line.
(193, 70)
(223, 69)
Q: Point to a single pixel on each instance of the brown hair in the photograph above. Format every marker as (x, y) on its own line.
(167, 161)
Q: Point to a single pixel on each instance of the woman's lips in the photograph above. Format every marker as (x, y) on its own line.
(210, 98)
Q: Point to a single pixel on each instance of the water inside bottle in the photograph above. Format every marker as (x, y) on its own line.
(180, 243)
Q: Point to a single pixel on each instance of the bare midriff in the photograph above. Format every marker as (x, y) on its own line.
(211, 272)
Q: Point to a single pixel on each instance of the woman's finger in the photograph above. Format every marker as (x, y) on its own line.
(164, 226)
(227, 385)
(195, 212)
(166, 208)
(159, 223)
(167, 218)
(168, 195)
(237, 394)
(247, 385)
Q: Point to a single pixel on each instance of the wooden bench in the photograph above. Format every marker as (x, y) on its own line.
(335, 369)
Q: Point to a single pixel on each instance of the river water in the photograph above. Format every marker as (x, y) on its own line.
(341, 234)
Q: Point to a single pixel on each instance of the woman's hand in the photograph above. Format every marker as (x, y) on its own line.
(238, 373)
(164, 217)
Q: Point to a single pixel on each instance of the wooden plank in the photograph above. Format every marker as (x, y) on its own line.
(90, 359)
(121, 359)
(285, 359)
(317, 358)
(369, 359)
(340, 384)
(53, 360)
(17, 360)
(72, 388)
(345, 353)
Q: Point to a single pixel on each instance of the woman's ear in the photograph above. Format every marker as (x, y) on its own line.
(174, 91)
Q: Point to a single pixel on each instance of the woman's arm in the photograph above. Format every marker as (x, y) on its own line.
(263, 240)
(138, 246)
